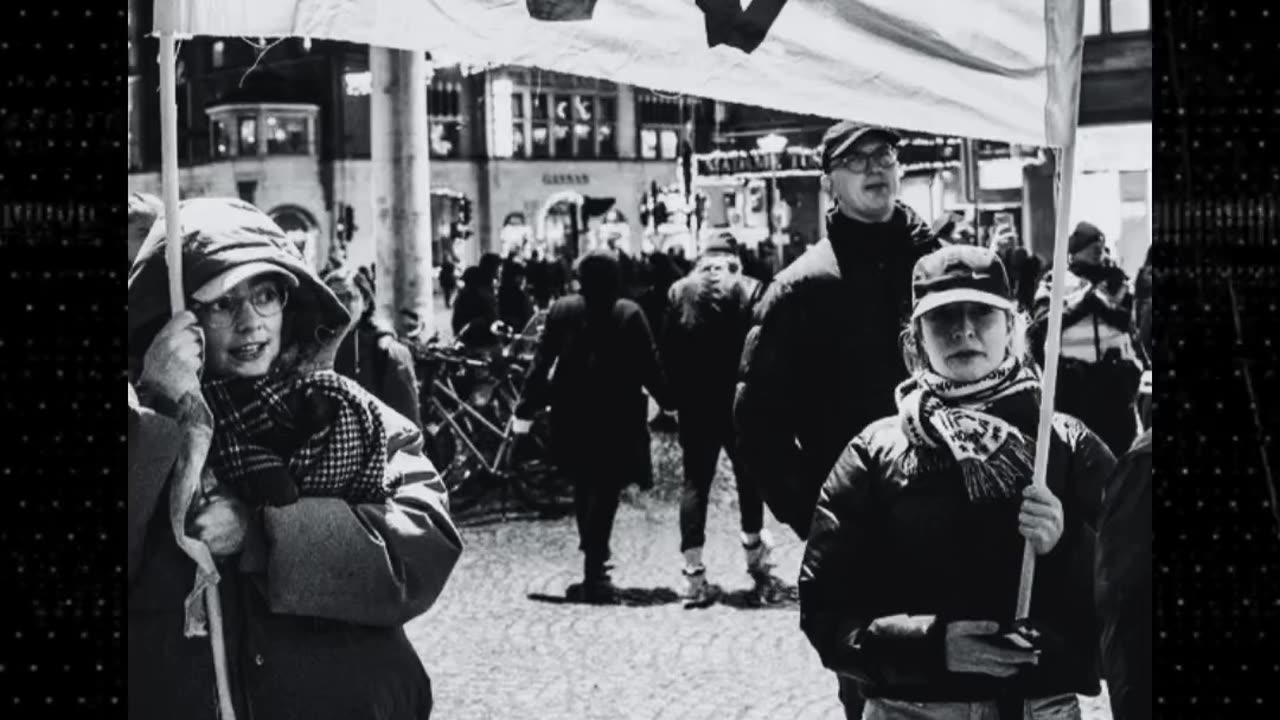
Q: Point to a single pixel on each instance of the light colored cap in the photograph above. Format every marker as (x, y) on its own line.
(223, 283)
(935, 300)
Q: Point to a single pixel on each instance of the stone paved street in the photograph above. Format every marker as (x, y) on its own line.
(502, 643)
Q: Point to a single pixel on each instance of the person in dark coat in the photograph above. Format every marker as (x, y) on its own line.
(708, 315)
(593, 363)
(822, 358)
(912, 567)
(1123, 577)
(515, 308)
(370, 355)
(448, 276)
(319, 567)
(476, 308)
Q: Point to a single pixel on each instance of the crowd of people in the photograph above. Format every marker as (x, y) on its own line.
(880, 395)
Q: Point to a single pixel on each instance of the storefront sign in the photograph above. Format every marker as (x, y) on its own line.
(565, 179)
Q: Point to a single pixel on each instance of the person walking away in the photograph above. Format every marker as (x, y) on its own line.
(370, 355)
(593, 363)
(913, 563)
(1101, 359)
(708, 315)
(476, 308)
(515, 308)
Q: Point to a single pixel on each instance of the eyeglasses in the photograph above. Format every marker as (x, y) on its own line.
(885, 157)
(266, 301)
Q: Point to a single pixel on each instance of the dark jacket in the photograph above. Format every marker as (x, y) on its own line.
(593, 374)
(382, 365)
(702, 344)
(881, 545)
(313, 609)
(1123, 588)
(475, 309)
(823, 357)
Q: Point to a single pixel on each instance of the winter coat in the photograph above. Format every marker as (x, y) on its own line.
(315, 602)
(702, 344)
(1123, 588)
(382, 365)
(823, 357)
(475, 309)
(313, 611)
(593, 373)
(882, 544)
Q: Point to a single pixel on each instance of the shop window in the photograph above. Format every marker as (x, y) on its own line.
(287, 135)
(606, 125)
(541, 139)
(248, 131)
(223, 144)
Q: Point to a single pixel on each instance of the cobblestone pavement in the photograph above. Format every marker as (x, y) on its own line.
(502, 643)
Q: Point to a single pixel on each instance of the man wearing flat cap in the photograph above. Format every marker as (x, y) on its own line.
(822, 358)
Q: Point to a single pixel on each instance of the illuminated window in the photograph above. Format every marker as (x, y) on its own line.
(248, 135)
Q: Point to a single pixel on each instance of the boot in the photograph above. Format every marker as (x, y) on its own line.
(698, 592)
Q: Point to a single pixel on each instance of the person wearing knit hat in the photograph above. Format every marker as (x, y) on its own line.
(1102, 357)
(331, 526)
(707, 318)
(913, 561)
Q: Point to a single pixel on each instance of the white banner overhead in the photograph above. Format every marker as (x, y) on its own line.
(996, 69)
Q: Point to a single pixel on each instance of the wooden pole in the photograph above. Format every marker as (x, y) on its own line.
(401, 184)
(177, 304)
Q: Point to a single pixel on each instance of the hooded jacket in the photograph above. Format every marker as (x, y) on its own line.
(314, 606)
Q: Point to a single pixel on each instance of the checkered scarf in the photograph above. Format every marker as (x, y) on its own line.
(314, 434)
(948, 418)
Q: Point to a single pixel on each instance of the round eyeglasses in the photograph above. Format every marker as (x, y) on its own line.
(266, 301)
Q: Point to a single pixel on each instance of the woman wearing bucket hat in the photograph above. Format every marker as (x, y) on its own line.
(330, 527)
(912, 567)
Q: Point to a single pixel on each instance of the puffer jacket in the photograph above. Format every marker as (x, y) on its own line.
(701, 346)
(823, 356)
(884, 544)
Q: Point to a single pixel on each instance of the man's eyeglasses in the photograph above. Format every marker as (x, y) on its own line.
(884, 157)
(266, 301)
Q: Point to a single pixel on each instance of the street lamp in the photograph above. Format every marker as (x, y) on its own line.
(774, 144)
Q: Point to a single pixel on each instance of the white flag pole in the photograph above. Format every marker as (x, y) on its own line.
(177, 303)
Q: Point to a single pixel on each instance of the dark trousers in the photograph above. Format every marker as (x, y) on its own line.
(701, 442)
(595, 504)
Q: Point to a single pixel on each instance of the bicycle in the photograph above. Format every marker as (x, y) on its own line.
(468, 413)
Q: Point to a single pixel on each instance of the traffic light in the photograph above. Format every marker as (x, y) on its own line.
(464, 211)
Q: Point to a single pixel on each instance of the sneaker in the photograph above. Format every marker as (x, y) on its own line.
(759, 562)
(698, 592)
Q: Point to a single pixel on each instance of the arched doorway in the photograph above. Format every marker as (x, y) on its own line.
(560, 221)
(301, 228)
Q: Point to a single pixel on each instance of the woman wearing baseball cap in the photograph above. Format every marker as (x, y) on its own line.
(912, 567)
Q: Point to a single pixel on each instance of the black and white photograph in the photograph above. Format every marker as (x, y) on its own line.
(647, 360)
